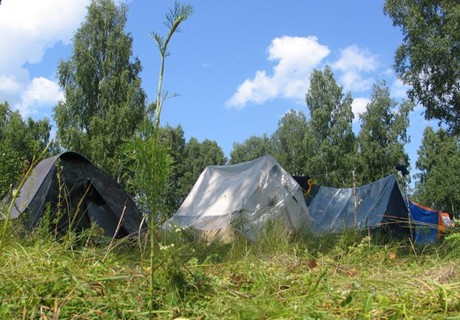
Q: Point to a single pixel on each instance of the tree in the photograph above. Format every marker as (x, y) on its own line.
(252, 148)
(197, 156)
(104, 102)
(289, 143)
(429, 58)
(28, 137)
(20, 142)
(439, 165)
(174, 141)
(330, 137)
(383, 135)
(11, 165)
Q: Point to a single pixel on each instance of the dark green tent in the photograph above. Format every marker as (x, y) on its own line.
(75, 192)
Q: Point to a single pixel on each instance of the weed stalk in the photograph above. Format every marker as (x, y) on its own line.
(174, 18)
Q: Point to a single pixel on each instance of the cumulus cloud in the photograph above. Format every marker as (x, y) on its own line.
(352, 64)
(39, 93)
(398, 89)
(9, 84)
(359, 106)
(295, 59)
(29, 28)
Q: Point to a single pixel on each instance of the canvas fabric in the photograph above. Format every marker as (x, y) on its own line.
(366, 207)
(243, 198)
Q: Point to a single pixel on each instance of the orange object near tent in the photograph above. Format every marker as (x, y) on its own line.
(438, 222)
(444, 223)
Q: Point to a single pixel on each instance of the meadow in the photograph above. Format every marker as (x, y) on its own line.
(345, 276)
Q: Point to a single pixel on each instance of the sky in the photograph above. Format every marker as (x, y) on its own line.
(236, 67)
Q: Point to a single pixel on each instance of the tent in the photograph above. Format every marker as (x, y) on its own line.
(426, 222)
(375, 205)
(429, 223)
(242, 198)
(75, 192)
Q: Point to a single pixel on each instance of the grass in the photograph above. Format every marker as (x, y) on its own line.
(346, 276)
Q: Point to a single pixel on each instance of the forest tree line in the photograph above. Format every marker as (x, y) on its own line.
(105, 108)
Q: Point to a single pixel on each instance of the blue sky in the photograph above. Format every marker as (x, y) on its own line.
(237, 66)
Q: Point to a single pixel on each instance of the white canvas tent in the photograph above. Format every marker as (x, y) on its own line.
(243, 198)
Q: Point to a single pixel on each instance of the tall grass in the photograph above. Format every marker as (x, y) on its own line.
(348, 276)
(41, 281)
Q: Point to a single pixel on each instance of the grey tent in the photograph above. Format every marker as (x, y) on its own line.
(242, 198)
(375, 205)
(76, 192)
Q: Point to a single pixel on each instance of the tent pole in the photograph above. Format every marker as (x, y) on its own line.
(355, 200)
(409, 214)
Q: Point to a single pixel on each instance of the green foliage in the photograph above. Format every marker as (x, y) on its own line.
(187, 161)
(180, 267)
(27, 137)
(289, 143)
(383, 135)
(451, 245)
(429, 58)
(150, 167)
(439, 164)
(330, 138)
(252, 148)
(20, 142)
(10, 168)
(104, 102)
(174, 141)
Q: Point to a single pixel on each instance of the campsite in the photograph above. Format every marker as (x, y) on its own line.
(321, 183)
(272, 251)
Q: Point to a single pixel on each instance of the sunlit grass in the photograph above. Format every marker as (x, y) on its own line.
(331, 277)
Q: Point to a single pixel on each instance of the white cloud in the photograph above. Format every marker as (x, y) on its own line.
(389, 72)
(29, 28)
(398, 89)
(9, 85)
(296, 57)
(40, 92)
(359, 106)
(353, 63)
